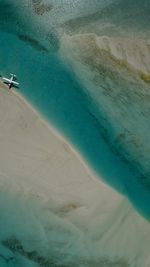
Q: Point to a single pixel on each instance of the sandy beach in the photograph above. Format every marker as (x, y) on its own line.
(74, 138)
(28, 141)
(39, 164)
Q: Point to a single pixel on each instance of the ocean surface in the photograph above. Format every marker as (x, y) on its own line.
(55, 91)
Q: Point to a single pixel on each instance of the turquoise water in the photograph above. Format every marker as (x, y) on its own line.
(30, 233)
(53, 90)
(56, 93)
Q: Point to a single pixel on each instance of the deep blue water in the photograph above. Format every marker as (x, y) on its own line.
(56, 93)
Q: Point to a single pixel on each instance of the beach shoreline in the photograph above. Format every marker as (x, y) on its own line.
(88, 173)
(54, 131)
(49, 192)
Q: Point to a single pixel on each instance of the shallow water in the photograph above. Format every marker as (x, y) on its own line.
(55, 91)
(51, 88)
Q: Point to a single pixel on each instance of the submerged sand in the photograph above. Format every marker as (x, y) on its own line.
(78, 220)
